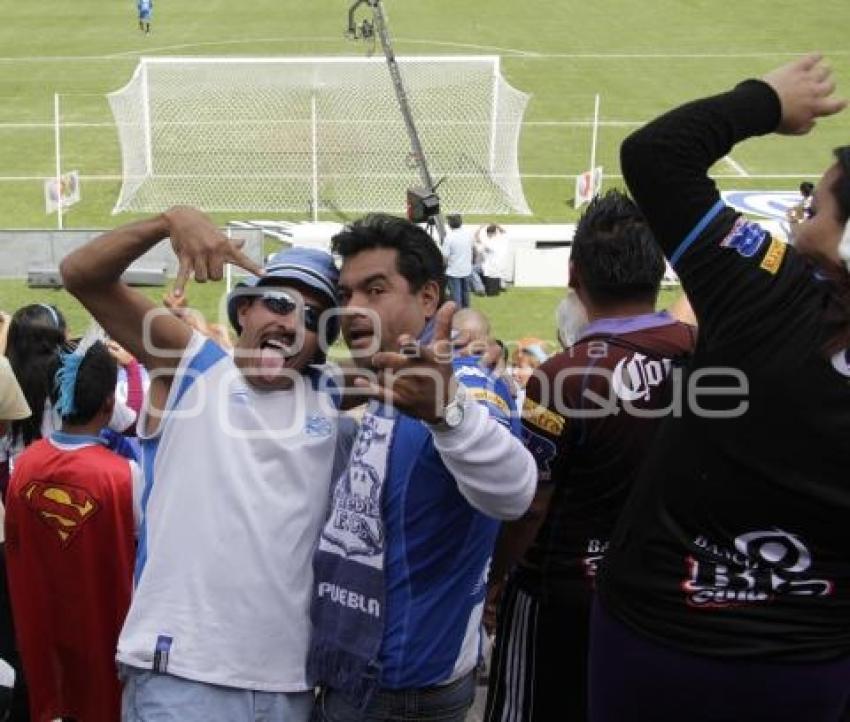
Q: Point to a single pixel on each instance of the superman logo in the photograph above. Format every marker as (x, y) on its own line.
(65, 509)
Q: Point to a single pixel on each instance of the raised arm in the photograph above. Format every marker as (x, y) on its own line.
(734, 273)
(666, 163)
(92, 274)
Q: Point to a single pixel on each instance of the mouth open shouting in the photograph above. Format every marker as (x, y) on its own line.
(360, 337)
(277, 353)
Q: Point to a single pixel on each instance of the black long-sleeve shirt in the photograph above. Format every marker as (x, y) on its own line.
(736, 541)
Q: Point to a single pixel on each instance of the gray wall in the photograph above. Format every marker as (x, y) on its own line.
(23, 250)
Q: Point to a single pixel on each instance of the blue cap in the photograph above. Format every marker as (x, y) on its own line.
(308, 267)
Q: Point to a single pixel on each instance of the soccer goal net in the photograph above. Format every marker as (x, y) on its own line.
(292, 134)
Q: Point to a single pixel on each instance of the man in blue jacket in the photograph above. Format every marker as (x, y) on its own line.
(402, 561)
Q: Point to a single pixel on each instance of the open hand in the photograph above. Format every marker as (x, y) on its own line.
(119, 353)
(805, 87)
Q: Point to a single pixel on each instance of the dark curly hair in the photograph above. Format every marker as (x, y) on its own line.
(615, 252)
(95, 383)
(419, 259)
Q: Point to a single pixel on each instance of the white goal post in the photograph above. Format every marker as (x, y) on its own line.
(316, 133)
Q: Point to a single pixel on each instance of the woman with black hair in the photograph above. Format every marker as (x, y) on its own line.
(725, 592)
(36, 334)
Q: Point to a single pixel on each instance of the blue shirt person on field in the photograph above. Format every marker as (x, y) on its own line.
(145, 10)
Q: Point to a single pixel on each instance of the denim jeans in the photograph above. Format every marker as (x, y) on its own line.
(476, 281)
(459, 290)
(150, 696)
(442, 703)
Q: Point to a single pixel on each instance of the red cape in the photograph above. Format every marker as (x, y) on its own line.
(69, 549)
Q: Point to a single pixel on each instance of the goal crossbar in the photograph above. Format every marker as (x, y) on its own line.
(319, 133)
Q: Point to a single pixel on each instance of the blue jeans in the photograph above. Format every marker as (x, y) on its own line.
(441, 703)
(154, 697)
(459, 290)
(476, 281)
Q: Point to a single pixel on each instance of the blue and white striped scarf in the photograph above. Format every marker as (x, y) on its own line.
(349, 587)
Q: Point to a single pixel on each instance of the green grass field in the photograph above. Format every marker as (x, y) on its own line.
(641, 57)
(519, 312)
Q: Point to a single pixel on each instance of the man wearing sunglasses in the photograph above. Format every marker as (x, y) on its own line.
(238, 456)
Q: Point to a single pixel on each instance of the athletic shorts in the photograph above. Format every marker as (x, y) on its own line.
(538, 670)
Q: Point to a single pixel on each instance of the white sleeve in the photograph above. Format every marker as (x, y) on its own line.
(123, 417)
(493, 469)
(138, 479)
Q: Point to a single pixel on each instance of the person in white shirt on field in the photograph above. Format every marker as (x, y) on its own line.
(491, 242)
(457, 250)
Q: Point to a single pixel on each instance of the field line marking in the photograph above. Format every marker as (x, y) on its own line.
(531, 176)
(253, 41)
(71, 124)
(28, 178)
(13, 125)
(682, 56)
(737, 167)
(721, 176)
(513, 52)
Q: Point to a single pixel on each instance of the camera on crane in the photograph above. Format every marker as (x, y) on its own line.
(422, 205)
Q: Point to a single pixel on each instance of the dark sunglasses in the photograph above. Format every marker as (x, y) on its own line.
(281, 303)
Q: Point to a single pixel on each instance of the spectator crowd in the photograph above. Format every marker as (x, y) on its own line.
(647, 522)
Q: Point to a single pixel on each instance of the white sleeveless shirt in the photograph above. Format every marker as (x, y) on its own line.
(236, 490)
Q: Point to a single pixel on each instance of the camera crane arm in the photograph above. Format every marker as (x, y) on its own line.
(418, 153)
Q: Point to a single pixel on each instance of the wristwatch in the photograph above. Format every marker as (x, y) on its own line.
(453, 411)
